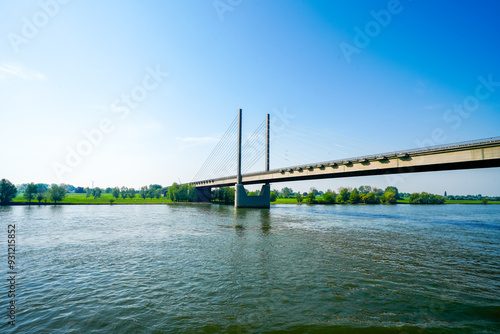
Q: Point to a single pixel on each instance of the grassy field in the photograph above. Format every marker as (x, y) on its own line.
(104, 199)
(287, 201)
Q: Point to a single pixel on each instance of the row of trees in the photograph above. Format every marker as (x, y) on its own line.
(471, 197)
(31, 192)
(223, 195)
(34, 192)
(289, 193)
(153, 191)
(21, 188)
(187, 193)
(184, 193)
(176, 193)
(365, 195)
(57, 193)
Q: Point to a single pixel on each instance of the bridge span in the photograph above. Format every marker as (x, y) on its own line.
(464, 155)
(484, 153)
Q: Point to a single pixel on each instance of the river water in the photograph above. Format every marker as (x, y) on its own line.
(293, 268)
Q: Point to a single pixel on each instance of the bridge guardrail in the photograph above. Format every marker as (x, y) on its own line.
(393, 153)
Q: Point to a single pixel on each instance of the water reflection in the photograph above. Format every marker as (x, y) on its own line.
(240, 215)
(251, 218)
(56, 209)
(5, 209)
(265, 221)
(28, 209)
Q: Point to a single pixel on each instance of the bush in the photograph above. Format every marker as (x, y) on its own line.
(426, 198)
(390, 197)
(310, 198)
(370, 198)
(299, 198)
(414, 197)
(57, 193)
(329, 198)
(343, 196)
(354, 196)
(7, 191)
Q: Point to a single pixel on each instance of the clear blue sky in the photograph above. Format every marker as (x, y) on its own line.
(65, 67)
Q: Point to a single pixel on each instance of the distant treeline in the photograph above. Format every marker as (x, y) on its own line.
(371, 195)
(70, 189)
(56, 193)
(363, 194)
(471, 198)
(32, 191)
(187, 193)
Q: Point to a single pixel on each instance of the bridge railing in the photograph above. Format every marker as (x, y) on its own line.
(393, 153)
(432, 148)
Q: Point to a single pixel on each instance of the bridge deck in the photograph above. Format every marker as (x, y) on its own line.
(465, 155)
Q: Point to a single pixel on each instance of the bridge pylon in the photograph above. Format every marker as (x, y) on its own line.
(241, 199)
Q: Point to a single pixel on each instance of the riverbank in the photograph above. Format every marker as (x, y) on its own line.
(108, 203)
(81, 199)
(403, 201)
(78, 200)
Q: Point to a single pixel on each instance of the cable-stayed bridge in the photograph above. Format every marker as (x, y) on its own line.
(230, 161)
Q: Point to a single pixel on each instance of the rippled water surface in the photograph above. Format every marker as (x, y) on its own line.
(211, 269)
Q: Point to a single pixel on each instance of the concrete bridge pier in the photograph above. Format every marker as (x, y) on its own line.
(242, 200)
(203, 194)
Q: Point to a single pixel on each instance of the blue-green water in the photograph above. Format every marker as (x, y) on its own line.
(211, 269)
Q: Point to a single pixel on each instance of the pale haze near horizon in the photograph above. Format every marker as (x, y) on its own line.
(153, 86)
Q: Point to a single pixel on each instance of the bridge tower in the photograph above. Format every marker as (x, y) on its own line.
(242, 200)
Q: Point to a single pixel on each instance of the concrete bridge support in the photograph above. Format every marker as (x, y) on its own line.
(203, 194)
(242, 200)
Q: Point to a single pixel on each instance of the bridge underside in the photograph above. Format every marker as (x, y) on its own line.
(203, 194)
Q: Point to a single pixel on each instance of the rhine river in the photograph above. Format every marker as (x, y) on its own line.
(293, 268)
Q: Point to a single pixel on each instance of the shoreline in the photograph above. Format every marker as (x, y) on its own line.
(111, 204)
(205, 203)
